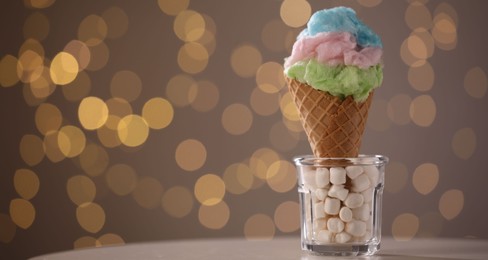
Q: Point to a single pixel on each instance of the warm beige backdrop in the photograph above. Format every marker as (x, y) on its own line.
(128, 121)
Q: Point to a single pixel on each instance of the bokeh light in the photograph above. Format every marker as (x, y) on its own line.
(425, 178)
(270, 78)
(215, 216)
(281, 176)
(78, 88)
(92, 30)
(245, 60)
(263, 103)
(64, 68)
(94, 159)
(8, 66)
(259, 227)
(476, 82)
(39, 3)
(52, 147)
(90, 216)
(148, 193)
(133, 130)
(109, 239)
(207, 96)
(369, 3)
(193, 58)
(418, 15)
(423, 110)
(22, 213)
(99, 56)
(451, 203)
(189, 25)
(158, 113)
(121, 179)
(287, 217)
(71, 141)
(209, 189)
(92, 113)
(31, 149)
(405, 226)
(238, 178)
(36, 26)
(274, 35)
(421, 77)
(126, 84)
(190, 155)
(80, 51)
(26, 183)
(117, 22)
(81, 189)
(85, 242)
(171, 7)
(48, 118)
(464, 143)
(282, 138)
(237, 119)
(295, 13)
(181, 90)
(177, 201)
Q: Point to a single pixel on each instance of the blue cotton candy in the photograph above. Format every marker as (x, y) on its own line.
(342, 19)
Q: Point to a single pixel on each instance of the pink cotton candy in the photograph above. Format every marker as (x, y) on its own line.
(334, 48)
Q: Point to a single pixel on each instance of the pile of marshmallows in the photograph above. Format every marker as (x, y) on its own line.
(341, 203)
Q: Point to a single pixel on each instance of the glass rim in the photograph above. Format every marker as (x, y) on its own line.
(362, 159)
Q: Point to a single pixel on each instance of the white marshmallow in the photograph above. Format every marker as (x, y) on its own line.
(356, 228)
(342, 237)
(332, 206)
(308, 177)
(319, 224)
(337, 175)
(354, 171)
(335, 225)
(345, 214)
(322, 177)
(338, 191)
(368, 195)
(372, 173)
(362, 213)
(361, 183)
(318, 210)
(354, 200)
(324, 236)
(320, 194)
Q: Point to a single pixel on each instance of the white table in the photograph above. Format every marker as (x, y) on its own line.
(280, 248)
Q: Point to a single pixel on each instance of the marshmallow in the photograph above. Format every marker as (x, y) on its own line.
(322, 177)
(319, 224)
(308, 177)
(337, 175)
(335, 225)
(320, 194)
(361, 183)
(368, 195)
(356, 228)
(324, 236)
(318, 210)
(332, 206)
(342, 237)
(354, 200)
(362, 213)
(345, 214)
(338, 191)
(354, 171)
(372, 173)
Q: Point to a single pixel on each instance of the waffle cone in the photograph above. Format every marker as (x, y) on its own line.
(334, 126)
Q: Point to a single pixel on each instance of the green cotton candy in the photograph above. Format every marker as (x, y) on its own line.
(341, 81)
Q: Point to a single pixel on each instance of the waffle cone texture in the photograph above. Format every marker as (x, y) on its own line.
(334, 126)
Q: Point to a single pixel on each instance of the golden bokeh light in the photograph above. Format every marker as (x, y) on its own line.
(264, 104)
(261, 160)
(126, 84)
(48, 118)
(293, 126)
(295, 13)
(92, 30)
(444, 32)
(282, 138)
(29, 97)
(245, 60)
(8, 228)
(238, 178)
(397, 177)
(405, 226)
(208, 41)
(64, 68)
(378, 115)
(8, 66)
(99, 56)
(476, 82)
(39, 3)
(80, 51)
(108, 134)
(109, 239)
(121, 179)
(90, 216)
(288, 107)
(464, 143)
(237, 119)
(118, 107)
(418, 15)
(270, 78)
(281, 176)
(177, 201)
(209, 189)
(81, 189)
(207, 96)
(190, 155)
(36, 26)
(369, 3)
(30, 66)
(22, 213)
(189, 25)
(85, 242)
(259, 227)
(181, 90)
(215, 216)
(425, 178)
(94, 159)
(52, 147)
(71, 141)
(274, 34)
(78, 88)
(42, 87)
(287, 217)
(421, 77)
(92, 113)
(451, 203)
(193, 57)
(31, 149)
(171, 7)
(158, 113)
(398, 109)
(133, 130)
(26, 183)
(148, 193)
(117, 22)
(34, 46)
(423, 110)
(417, 47)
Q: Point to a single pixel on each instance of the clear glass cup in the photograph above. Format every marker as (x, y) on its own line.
(340, 200)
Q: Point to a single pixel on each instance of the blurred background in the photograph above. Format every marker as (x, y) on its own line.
(130, 121)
